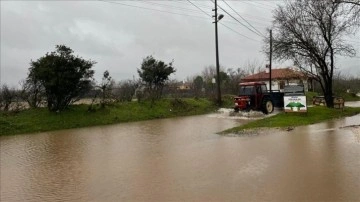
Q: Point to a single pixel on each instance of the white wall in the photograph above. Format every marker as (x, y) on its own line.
(275, 85)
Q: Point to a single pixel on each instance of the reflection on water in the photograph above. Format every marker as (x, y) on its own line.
(182, 159)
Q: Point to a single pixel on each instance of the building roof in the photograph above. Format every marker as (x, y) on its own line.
(251, 83)
(276, 74)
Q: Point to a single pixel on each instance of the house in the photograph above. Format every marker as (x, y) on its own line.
(280, 78)
(183, 86)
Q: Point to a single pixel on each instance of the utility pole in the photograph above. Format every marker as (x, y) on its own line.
(270, 63)
(217, 55)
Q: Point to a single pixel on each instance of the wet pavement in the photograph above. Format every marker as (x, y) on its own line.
(182, 159)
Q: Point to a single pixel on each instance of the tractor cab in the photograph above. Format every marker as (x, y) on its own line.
(255, 96)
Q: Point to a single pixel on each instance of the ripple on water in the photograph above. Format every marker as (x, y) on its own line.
(181, 159)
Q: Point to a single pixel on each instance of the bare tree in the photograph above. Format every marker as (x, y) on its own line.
(106, 88)
(346, 83)
(125, 90)
(252, 66)
(208, 73)
(235, 76)
(198, 84)
(353, 2)
(7, 96)
(311, 33)
(32, 91)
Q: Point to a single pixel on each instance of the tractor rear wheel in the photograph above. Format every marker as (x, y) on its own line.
(267, 106)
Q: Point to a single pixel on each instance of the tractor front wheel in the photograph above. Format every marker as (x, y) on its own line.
(236, 109)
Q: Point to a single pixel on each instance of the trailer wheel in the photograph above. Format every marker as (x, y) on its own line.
(267, 106)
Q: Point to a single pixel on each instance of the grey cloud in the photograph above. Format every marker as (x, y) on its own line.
(119, 37)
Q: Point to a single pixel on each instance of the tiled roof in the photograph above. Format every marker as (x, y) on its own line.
(278, 74)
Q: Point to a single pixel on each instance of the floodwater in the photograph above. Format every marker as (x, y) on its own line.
(182, 159)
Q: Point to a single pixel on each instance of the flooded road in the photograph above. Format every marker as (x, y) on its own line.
(182, 159)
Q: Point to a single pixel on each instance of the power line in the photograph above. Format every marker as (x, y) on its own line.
(199, 8)
(257, 17)
(222, 23)
(250, 3)
(168, 6)
(238, 20)
(199, 5)
(123, 4)
(238, 32)
(168, 12)
(255, 21)
(190, 10)
(205, 6)
(243, 18)
(267, 5)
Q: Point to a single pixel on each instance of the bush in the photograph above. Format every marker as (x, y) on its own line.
(125, 91)
(63, 75)
(7, 96)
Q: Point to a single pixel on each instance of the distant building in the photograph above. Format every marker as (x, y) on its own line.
(184, 86)
(281, 77)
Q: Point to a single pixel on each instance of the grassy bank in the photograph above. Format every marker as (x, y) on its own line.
(40, 120)
(348, 97)
(282, 120)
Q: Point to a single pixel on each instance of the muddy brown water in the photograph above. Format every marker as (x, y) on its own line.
(182, 159)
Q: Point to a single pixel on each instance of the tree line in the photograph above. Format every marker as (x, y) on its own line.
(60, 79)
(311, 33)
(65, 86)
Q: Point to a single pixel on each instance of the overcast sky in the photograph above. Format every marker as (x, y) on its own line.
(119, 34)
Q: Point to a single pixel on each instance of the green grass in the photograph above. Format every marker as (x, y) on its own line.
(40, 120)
(282, 120)
(309, 97)
(348, 96)
(228, 101)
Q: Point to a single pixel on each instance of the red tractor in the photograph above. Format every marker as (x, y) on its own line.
(255, 96)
